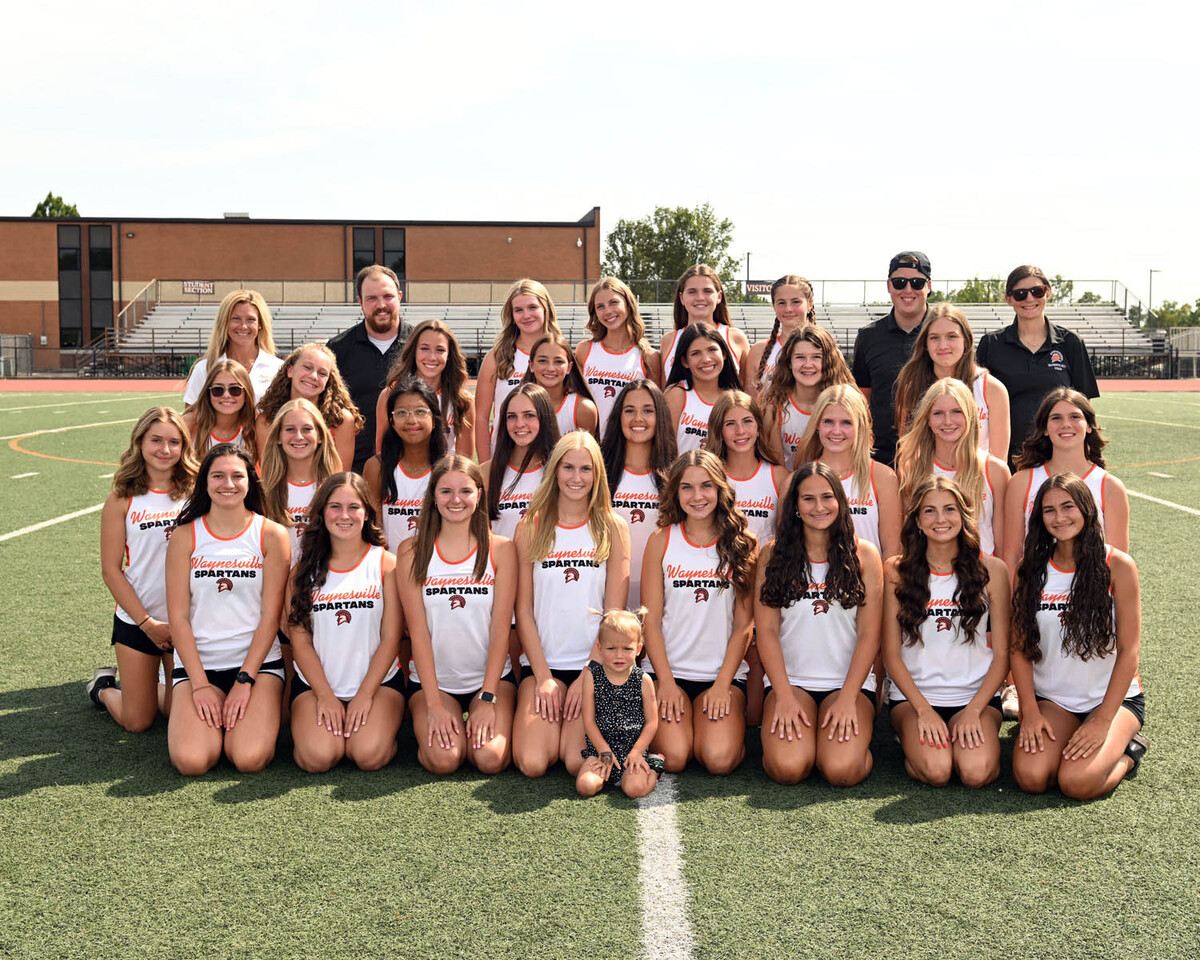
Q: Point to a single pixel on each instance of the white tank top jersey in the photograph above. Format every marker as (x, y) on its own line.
(669, 362)
(608, 373)
(947, 671)
(818, 638)
(514, 503)
(568, 593)
(635, 500)
(792, 423)
(566, 414)
(149, 523)
(236, 440)
(697, 609)
(458, 612)
(506, 386)
(987, 536)
(299, 497)
(1094, 479)
(400, 514)
(347, 615)
(693, 422)
(1074, 684)
(864, 510)
(772, 356)
(979, 389)
(226, 587)
(758, 498)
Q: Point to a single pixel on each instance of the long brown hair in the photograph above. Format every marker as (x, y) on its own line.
(333, 401)
(1088, 628)
(315, 548)
(573, 382)
(635, 326)
(715, 441)
(783, 381)
(274, 461)
(540, 449)
(206, 414)
(429, 523)
(917, 376)
(720, 311)
(787, 280)
(132, 479)
(456, 401)
(663, 448)
(1037, 448)
(736, 545)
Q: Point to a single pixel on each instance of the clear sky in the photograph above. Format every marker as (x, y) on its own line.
(833, 135)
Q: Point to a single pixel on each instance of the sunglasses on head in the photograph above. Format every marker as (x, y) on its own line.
(899, 283)
(1036, 292)
(218, 390)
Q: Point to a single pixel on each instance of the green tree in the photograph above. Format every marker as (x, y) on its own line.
(55, 206)
(1135, 316)
(979, 291)
(1089, 296)
(1061, 290)
(659, 247)
(1172, 314)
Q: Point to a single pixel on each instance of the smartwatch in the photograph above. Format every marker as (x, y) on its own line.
(487, 696)
(244, 677)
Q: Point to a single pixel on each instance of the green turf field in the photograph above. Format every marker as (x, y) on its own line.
(105, 851)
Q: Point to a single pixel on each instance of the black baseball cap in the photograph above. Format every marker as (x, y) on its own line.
(914, 259)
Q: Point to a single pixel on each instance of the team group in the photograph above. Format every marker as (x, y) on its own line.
(802, 543)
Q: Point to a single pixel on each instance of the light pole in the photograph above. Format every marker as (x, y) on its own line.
(1150, 301)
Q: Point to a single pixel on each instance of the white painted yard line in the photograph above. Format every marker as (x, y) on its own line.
(22, 476)
(106, 476)
(81, 403)
(1166, 503)
(1125, 396)
(78, 426)
(666, 932)
(1157, 423)
(50, 523)
(1165, 476)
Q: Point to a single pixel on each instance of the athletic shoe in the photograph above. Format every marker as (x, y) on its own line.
(1136, 749)
(1008, 702)
(104, 679)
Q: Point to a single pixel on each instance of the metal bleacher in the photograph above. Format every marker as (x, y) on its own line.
(185, 328)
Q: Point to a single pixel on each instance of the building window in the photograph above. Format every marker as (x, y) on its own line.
(70, 286)
(393, 250)
(364, 248)
(100, 278)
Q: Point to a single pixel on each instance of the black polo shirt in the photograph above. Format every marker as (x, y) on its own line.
(1062, 361)
(880, 350)
(365, 369)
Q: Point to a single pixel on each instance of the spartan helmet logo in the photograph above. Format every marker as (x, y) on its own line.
(609, 391)
(701, 595)
(820, 606)
(224, 584)
(637, 516)
(412, 523)
(943, 623)
(343, 616)
(570, 575)
(168, 531)
(1062, 618)
(457, 602)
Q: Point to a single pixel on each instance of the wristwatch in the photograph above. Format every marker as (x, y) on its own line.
(244, 677)
(487, 696)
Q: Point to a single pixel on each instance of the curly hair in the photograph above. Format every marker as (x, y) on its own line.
(456, 401)
(736, 545)
(1038, 449)
(913, 589)
(312, 569)
(782, 381)
(789, 571)
(333, 402)
(917, 376)
(1088, 627)
(131, 478)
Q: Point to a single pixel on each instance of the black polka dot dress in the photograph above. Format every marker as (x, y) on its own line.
(620, 716)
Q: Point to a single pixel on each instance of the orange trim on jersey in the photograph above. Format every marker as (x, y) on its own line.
(358, 564)
(454, 563)
(634, 473)
(214, 436)
(563, 526)
(292, 483)
(749, 478)
(262, 538)
(797, 407)
(775, 482)
(871, 471)
(204, 520)
(419, 476)
(1058, 568)
(687, 540)
(613, 353)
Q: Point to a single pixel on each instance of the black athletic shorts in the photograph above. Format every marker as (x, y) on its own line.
(947, 712)
(130, 635)
(464, 699)
(1135, 705)
(395, 683)
(224, 680)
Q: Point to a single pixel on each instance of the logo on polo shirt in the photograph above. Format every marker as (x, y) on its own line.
(342, 616)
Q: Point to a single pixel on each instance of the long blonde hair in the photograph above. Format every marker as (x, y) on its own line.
(914, 453)
(274, 460)
(131, 478)
(544, 505)
(504, 349)
(851, 399)
(206, 415)
(218, 340)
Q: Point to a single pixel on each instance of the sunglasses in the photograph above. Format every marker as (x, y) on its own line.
(1036, 292)
(218, 390)
(899, 283)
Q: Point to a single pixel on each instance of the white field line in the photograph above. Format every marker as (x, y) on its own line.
(666, 932)
(78, 426)
(80, 403)
(22, 476)
(1124, 396)
(1166, 503)
(50, 523)
(1165, 476)
(1157, 423)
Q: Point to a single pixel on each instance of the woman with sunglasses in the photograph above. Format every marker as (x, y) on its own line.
(1032, 356)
